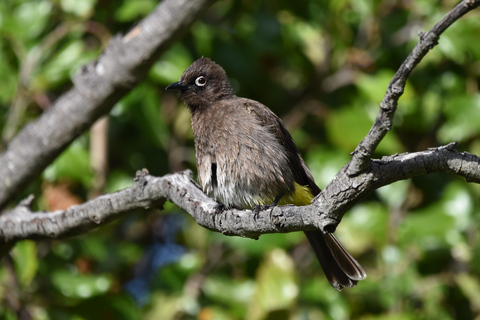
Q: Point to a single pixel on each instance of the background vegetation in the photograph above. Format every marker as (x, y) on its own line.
(323, 66)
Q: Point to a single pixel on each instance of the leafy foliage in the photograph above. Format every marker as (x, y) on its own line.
(323, 66)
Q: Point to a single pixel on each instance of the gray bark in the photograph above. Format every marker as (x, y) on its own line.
(40, 142)
(97, 87)
(151, 192)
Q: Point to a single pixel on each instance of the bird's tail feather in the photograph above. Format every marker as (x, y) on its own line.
(341, 269)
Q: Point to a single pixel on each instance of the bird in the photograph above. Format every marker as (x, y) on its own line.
(247, 159)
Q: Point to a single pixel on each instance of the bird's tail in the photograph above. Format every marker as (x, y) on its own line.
(341, 269)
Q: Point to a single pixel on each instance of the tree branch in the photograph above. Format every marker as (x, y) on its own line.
(345, 190)
(384, 121)
(181, 189)
(97, 87)
(325, 213)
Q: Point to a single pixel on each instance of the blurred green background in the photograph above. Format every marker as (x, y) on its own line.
(323, 67)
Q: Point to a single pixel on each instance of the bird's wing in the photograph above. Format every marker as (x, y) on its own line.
(341, 269)
(276, 127)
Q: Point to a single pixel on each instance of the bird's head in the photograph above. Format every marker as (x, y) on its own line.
(203, 83)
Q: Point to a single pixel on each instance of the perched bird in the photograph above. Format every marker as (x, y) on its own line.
(246, 158)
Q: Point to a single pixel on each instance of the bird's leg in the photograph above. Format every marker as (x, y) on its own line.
(259, 208)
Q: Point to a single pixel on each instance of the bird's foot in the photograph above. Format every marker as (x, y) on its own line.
(259, 208)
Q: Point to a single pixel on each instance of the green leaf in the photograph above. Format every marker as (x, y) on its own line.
(124, 307)
(347, 126)
(80, 8)
(118, 180)
(317, 291)
(203, 36)
(65, 62)
(95, 248)
(235, 293)
(80, 286)
(394, 194)
(374, 86)
(426, 228)
(325, 162)
(460, 42)
(364, 227)
(463, 113)
(277, 287)
(470, 287)
(144, 105)
(459, 204)
(164, 306)
(27, 20)
(171, 65)
(26, 263)
(265, 243)
(132, 10)
(73, 163)
(9, 79)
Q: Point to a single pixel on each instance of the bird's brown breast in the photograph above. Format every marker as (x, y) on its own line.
(239, 160)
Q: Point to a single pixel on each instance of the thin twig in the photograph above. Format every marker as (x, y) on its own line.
(384, 121)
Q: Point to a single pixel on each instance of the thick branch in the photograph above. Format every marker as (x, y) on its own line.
(345, 190)
(180, 188)
(384, 121)
(98, 86)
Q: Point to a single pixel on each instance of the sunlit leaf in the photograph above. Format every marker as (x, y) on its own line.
(276, 287)
(164, 307)
(348, 126)
(28, 19)
(81, 8)
(464, 114)
(172, 64)
(229, 292)
(80, 286)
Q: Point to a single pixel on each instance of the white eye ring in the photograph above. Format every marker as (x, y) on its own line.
(201, 81)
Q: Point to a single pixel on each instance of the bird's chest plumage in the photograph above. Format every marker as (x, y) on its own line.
(239, 160)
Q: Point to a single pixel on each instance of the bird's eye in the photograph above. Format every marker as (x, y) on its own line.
(201, 81)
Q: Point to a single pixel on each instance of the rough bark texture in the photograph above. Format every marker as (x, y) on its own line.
(180, 188)
(102, 83)
(97, 87)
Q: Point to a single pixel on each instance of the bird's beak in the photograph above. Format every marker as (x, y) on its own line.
(180, 85)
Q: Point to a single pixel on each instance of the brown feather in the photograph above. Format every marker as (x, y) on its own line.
(246, 157)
